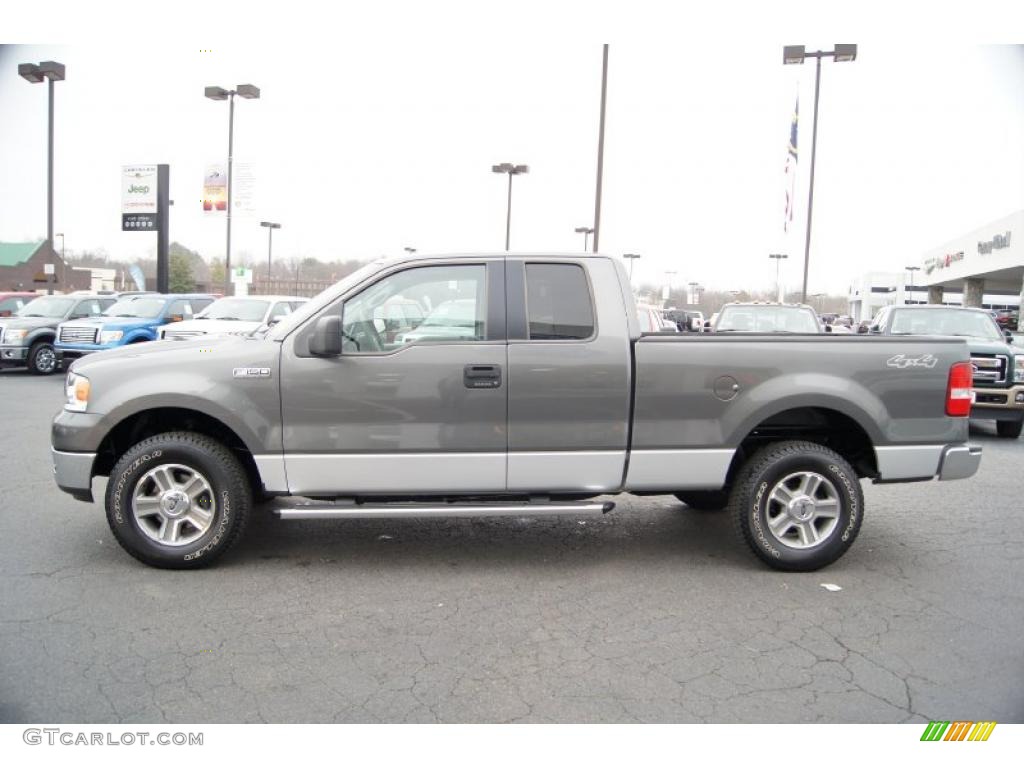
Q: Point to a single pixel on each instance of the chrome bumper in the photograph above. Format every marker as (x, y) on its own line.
(73, 472)
(959, 462)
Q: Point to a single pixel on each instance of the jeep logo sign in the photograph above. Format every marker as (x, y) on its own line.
(138, 189)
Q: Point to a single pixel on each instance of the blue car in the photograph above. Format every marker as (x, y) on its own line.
(131, 320)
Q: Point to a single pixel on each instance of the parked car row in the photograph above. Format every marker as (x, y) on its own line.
(44, 332)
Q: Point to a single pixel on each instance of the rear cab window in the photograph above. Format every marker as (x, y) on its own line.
(559, 306)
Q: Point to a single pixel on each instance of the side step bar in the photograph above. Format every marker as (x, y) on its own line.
(320, 511)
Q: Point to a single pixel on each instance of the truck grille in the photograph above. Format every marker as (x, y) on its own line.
(180, 335)
(78, 334)
(989, 369)
(1, 333)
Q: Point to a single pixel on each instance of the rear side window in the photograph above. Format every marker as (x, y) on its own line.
(558, 302)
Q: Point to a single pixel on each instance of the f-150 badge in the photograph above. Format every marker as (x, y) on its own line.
(251, 373)
(902, 361)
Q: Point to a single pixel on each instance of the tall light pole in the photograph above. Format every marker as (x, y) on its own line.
(778, 283)
(64, 271)
(511, 170)
(216, 93)
(51, 71)
(600, 148)
(586, 232)
(271, 226)
(631, 257)
(911, 270)
(795, 54)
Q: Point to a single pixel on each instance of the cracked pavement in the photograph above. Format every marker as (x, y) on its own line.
(653, 613)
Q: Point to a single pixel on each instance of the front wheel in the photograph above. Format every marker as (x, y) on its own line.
(42, 359)
(1009, 429)
(798, 505)
(178, 500)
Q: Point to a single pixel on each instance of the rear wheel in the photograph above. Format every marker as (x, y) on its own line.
(709, 501)
(178, 500)
(42, 359)
(797, 505)
(1010, 429)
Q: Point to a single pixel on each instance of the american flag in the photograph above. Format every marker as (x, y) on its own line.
(790, 170)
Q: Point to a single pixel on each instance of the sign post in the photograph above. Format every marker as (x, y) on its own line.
(145, 203)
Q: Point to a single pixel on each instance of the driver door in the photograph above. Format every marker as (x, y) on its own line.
(417, 402)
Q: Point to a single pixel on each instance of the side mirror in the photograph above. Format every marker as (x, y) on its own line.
(1009, 335)
(695, 325)
(326, 338)
(275, 320)
(175, 318)
(828, 329)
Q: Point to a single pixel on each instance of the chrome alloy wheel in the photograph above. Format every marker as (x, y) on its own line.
(46, 360)
(173, 505)
(803, 510)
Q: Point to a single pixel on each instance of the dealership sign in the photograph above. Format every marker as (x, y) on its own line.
(997, 242)
(942, 262)
(138, 198)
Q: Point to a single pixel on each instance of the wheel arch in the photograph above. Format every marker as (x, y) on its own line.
(137, 426)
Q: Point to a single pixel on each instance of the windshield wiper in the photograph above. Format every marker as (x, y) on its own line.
(32, 315)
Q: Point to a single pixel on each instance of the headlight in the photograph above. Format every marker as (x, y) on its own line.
(14, 334)
(108, 336)
(76, 391)
(1018, 369)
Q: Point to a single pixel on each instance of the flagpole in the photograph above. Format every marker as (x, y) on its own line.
(810, 193)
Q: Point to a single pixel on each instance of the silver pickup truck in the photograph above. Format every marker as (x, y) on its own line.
(504, 384)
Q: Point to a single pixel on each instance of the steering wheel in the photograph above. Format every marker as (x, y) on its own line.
(364, 335)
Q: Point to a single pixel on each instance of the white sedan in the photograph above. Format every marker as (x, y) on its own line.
(233, 314)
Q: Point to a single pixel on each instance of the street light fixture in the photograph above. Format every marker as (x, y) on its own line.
(51, 71)
(911, 270)
(778, 284)
(586, 232)
(631, 257)
(271, 226)
(216, 93)
(511, 170)
(409, 249)
(796, 54)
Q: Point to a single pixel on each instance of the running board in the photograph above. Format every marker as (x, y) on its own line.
(316, 511)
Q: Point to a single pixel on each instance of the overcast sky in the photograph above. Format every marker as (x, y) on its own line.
(387, 141)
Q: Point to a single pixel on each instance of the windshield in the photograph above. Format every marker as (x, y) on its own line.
(46, 307)
(767, 319)
(318, 302)
(137, 306)
(452, 314)
(945, 322)
(250, 310)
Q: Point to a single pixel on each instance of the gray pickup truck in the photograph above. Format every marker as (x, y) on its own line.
(504, 385)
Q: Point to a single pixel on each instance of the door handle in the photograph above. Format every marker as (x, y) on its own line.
(481, 376)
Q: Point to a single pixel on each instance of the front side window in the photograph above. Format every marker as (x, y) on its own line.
(180, 309)
(423, 304)
(558, 302)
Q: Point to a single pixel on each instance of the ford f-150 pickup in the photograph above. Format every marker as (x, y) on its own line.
(547, 399)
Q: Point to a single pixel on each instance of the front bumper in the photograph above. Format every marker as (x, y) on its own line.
(10, 355)
(73, 473)
(989, 399)
(959, 462)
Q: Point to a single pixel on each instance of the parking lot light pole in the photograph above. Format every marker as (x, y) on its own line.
(911, 270)
(586, 232)
(795, 54)
(271, 226)
(778, 283)
(51, 71)
(511, 170)
(631, 257)
(246, 91)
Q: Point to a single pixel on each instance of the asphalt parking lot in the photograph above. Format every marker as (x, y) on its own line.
(652, 613)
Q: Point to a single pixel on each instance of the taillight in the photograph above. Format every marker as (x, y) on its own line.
(959, 394)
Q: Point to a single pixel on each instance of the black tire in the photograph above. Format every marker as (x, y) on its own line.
(752, 505)
(1009, 429)
(707, 501)
(229, 500)
(42, 359)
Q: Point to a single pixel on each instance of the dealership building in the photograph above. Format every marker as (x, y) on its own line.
(981, 268)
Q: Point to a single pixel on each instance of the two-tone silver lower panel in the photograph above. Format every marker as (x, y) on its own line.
(908, 462)
(678, 470)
